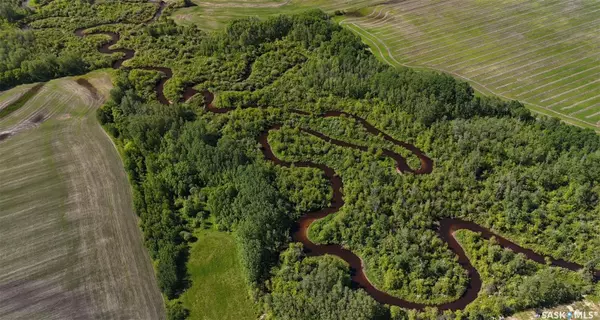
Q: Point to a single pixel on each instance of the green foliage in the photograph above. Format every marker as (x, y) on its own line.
(534, 181)
(512, 283)
(72, 14)
(169, 271)
(305, 188)
(144, 82)
(176, 311)
(28, 56)
(48, 47)
(9, 11)
(317, 288)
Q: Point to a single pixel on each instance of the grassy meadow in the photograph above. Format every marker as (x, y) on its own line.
(69, 242)
(218, 288)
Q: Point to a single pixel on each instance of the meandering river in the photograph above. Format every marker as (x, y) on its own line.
(447, 226)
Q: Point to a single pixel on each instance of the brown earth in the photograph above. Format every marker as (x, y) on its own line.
(70, 245)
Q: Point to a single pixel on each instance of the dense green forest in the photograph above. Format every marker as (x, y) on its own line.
(532, 180)
(511, 281)
(39, 44)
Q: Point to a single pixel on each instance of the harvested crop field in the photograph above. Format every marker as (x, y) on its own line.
(70, 247)
(544, 54)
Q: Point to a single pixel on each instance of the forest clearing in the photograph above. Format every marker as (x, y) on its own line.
(218, 289)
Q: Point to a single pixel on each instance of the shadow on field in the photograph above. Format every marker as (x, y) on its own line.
(86, 84)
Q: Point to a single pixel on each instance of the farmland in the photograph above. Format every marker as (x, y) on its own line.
(544, 54)
(69, 242)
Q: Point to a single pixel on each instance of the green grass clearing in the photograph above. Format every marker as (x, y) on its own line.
(218, 289)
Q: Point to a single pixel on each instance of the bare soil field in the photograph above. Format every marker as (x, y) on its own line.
(70, 247)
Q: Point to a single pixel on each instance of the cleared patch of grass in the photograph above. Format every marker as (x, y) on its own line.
(218, 290)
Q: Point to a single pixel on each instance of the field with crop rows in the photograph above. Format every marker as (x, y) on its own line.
(70, 247)
(543, 53)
